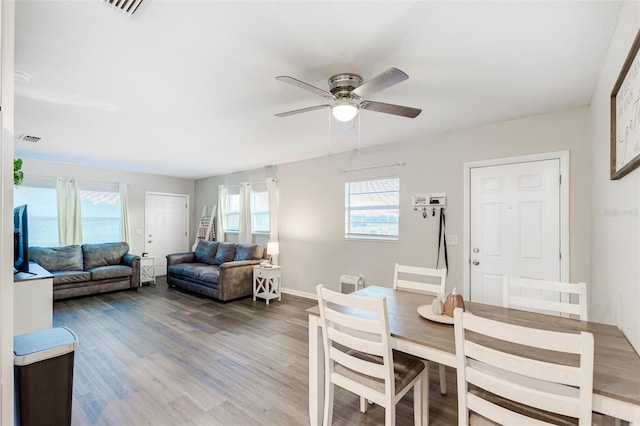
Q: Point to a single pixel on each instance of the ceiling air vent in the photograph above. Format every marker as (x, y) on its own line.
(126, 6)
(27, 138)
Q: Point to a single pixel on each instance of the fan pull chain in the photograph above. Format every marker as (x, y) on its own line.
(329, 141)
(359, 131)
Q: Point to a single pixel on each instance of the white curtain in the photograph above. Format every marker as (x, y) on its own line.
(244, 231)
(223, 193)
(69, 216)
(124, 206)
(272, 191)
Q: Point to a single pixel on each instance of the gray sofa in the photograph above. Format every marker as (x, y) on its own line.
(223, 271)
(88, 269)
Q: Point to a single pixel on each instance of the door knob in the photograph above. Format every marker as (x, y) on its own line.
(150, 241)
(476, 250)
(475, 262)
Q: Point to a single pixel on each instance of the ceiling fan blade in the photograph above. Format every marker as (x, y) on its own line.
(380, 82)
(391, 109)
(306, 86)
(300, 111)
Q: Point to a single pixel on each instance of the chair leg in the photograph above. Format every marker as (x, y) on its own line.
(417, 401)
(443, 380)
(390, 415)
(328, 404)
(363, 404)
(425, 395)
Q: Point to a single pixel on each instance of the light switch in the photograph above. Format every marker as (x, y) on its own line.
(452, 240)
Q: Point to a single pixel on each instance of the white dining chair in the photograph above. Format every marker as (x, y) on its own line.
(433, 282)
(530, 294)
(498, 383)
(358, 355)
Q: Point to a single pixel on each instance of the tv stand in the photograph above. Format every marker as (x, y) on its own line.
(32, 300)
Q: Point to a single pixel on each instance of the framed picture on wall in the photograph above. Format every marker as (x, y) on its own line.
(625, 116)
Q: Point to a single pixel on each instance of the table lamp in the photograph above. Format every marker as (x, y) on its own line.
(273, 248)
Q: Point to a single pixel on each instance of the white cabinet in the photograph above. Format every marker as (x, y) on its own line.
(266, 283)
(32, 300)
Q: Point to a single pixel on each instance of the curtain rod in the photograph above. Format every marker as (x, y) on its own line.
(397, 163)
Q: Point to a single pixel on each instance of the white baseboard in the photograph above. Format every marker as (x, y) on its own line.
(299, 293)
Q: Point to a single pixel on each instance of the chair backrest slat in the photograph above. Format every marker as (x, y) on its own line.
(536, 301)
(439, 276)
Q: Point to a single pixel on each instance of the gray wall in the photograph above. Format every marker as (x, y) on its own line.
(615, 230)
(139, 183)
(312, 245)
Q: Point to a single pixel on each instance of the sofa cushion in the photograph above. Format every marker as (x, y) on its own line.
(198, 271)
(206, 251)
(103, 254)
(65, 277)
(225, 253)
(111, 271)
(53, 259)
(248, 252)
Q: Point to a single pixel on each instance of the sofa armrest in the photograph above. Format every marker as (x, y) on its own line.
(175, 258)
(133, 261)
(236, 279)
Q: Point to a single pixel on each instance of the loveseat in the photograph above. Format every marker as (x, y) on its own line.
(88, 269)
(223, 271)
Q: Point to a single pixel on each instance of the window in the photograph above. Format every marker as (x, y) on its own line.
(259, 209)
(232, 221)
(101, 212)
(39, 194)
(372, 208)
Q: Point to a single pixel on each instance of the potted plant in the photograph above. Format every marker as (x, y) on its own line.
(18, 175)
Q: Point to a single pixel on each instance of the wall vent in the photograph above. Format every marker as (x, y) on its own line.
(126, 6)
(28, 138)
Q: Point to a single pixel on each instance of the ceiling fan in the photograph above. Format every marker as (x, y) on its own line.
(347, 94)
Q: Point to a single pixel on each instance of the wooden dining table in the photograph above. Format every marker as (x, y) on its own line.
(616, 370)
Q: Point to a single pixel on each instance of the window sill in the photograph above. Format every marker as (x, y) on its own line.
(373, 239)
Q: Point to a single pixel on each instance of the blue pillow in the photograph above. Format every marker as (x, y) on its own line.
(225, 253)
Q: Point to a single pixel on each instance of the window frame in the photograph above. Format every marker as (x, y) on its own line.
(353, 236)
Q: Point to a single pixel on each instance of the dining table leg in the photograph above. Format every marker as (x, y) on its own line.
(316, 372)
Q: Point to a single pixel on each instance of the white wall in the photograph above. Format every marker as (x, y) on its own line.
(312, 245)
(615, 228)
(139, 183)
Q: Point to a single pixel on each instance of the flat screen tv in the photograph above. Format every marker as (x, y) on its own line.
(20, 240)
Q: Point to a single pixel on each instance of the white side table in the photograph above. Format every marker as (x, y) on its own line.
(266, 283)
(147, 270)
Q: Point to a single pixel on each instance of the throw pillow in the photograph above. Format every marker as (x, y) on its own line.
(225, 253)
(248, 252)
(206, 251)
(67, 258)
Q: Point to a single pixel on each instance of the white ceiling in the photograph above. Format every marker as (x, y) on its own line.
(188, 89)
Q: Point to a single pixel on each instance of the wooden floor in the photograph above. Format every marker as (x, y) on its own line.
(160, 356)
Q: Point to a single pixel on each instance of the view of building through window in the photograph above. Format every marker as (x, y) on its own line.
(259, 209)
(372, 208)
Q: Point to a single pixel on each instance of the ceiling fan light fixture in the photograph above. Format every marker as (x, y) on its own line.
(344, 111)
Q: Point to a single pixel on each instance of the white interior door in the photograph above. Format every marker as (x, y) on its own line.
(166, 227)
(514, 225)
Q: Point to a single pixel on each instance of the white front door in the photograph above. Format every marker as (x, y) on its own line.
(166, 227)
(514, 225)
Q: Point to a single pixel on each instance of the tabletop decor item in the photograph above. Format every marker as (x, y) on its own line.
(437, 306)
(453, 301)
